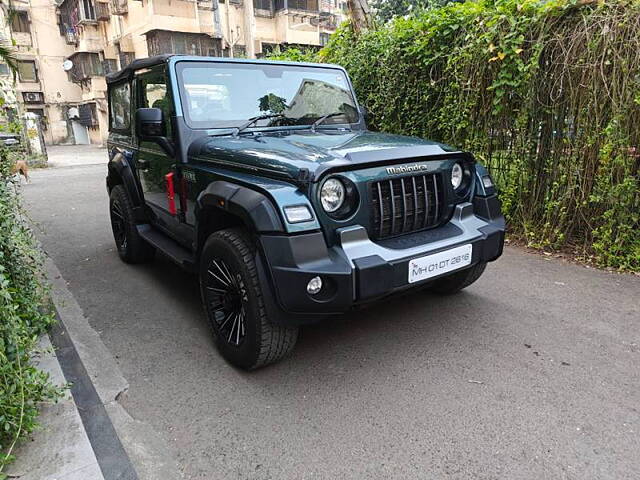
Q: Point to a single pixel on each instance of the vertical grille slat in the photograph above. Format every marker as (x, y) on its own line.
(406, 204)
(425, 222)
(393, 208)
(415, 203)
(381, 214)
(435, 196)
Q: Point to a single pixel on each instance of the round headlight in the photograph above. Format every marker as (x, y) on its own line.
(332, 195)
(456, 176)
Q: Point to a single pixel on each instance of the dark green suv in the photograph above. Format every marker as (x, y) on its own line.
(262, 178)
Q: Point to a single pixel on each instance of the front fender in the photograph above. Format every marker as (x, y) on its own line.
(254, 208)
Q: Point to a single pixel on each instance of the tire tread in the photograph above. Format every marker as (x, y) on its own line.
(276, 341)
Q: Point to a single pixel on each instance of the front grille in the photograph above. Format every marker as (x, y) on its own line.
(406, 204)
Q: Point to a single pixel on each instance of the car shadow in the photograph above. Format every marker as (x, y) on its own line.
(416, 324)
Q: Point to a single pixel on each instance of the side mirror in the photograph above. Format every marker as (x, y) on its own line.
(150, 126)
(150, 123)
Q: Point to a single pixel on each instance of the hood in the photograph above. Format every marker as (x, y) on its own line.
(289, 152)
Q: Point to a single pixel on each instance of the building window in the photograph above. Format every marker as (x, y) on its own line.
(85, 65)
(163, 41)
(263, 7)
(308, 5)
(4, 69)
(88, 115)
(120, 103)
(109, 66)
(27, 71)
(324, 38)
(87, 10)
(20, 22)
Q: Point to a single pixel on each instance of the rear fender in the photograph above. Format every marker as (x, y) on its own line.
(120, 172)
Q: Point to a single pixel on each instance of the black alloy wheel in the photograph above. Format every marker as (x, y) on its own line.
(246, 335)
(132, 248)
(225, 296)
(118, 225)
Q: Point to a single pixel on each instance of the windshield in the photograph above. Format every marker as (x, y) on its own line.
(226, 95)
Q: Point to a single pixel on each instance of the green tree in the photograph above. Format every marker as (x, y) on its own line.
(385, 10)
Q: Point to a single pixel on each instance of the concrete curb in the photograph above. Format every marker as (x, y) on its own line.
(148, 453)
(60, 448)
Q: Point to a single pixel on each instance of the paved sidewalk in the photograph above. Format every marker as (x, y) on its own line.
(74, 155)
(60, 449)
(87, 435)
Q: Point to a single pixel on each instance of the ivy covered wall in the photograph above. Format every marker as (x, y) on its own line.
(546, 94)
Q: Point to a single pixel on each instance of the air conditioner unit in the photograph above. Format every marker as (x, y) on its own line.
(33, 97)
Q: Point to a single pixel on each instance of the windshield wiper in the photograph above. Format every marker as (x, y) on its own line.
(323, 118)
(253, 120)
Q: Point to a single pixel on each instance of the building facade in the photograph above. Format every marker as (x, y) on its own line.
(66, 49)
(41, 87)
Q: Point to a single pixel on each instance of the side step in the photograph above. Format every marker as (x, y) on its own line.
(168, 246)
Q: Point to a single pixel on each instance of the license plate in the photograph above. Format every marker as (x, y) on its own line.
(439, 263)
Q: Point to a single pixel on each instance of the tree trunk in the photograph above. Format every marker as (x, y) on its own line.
(360, 14)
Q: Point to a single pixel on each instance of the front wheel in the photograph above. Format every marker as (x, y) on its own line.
(457, 281)
(233, 301)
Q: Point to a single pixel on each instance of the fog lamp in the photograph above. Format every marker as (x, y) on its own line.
(314, 286)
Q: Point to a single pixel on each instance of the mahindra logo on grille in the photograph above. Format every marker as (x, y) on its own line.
(416, 167)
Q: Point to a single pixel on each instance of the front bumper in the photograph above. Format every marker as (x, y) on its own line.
(359, 270)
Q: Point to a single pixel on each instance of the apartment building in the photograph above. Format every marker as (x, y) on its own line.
(67, 48)
(42, 86)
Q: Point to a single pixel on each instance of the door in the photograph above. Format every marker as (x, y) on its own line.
(152, 163)
(80, 133)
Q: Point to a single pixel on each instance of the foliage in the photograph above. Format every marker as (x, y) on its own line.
(385, 10)
(23, 319)
(546, 94)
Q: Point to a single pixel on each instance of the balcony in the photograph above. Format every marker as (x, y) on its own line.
(109, 66)
(85, 66)
(102, 12)
(74, 13)
(304, 5)
(163, 41)
(264, 8)
(326, 20)
(119, 7)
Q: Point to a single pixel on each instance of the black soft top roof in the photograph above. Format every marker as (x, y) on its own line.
(127, 72)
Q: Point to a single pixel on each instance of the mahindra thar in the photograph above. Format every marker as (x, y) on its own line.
(262, 178)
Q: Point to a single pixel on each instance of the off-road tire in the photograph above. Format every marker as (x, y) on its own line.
(134, 249)
(457, 281)
(263, 341)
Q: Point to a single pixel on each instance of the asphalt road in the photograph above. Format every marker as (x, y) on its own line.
(533, 372)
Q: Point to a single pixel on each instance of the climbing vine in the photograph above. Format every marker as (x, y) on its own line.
(546, 94)
(22, 319)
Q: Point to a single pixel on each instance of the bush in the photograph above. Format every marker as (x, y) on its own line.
(546, 94)
(22, 319)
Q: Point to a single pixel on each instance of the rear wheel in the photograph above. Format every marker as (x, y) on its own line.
(132, 248)
(457, 281)
(233, 301)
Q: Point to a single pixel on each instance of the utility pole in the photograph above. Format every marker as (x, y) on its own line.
(228, 19)
(249, 29)
(217, 27)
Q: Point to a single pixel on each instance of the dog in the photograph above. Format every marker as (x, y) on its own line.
(21, 168)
